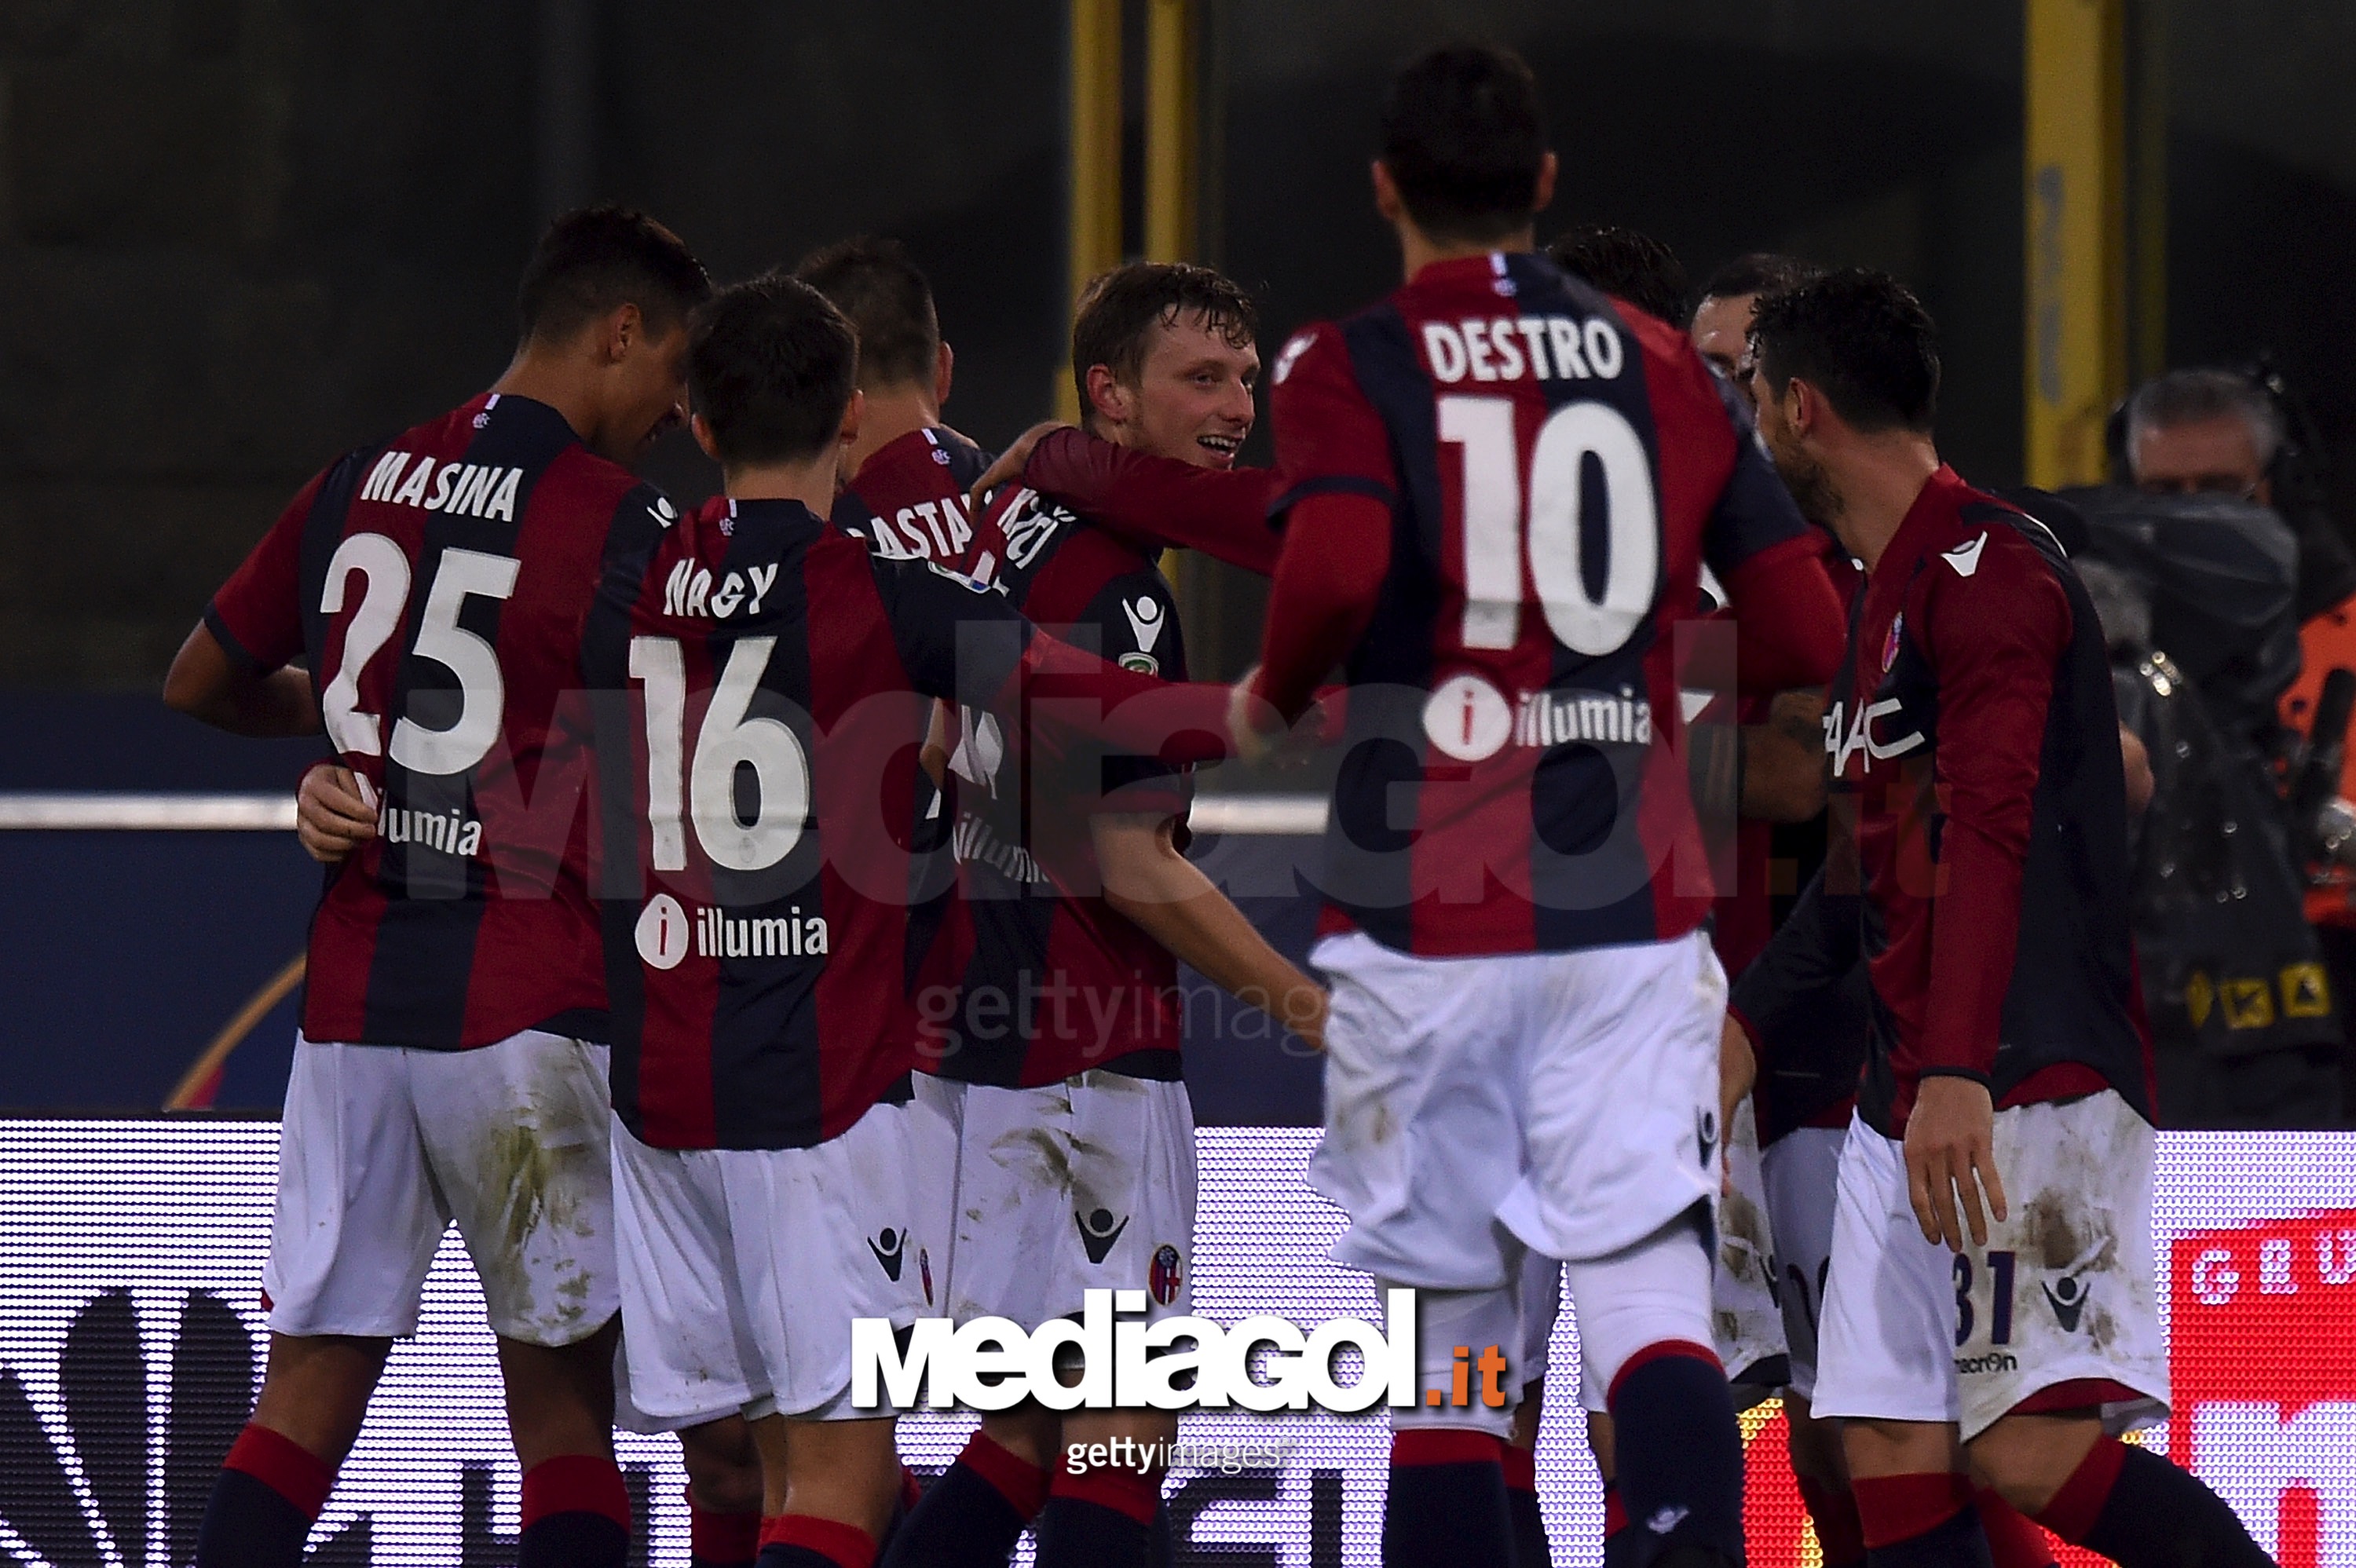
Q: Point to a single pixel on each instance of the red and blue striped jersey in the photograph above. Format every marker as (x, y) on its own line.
(1055, 981)
(1556, 472)
(436, 586)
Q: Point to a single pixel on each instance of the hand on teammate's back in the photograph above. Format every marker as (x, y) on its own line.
(334, 814)
(1007, 468)
(1951, 1153)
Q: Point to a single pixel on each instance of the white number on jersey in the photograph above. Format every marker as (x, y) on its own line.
(1502, 507)
(384, 571)
(729, 738)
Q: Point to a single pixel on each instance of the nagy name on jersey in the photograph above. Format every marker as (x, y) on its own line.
(1550, 349)
(689, 591)
(462, 489)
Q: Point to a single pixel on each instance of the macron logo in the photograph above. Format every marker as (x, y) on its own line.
(1965, 557)
(463, 489)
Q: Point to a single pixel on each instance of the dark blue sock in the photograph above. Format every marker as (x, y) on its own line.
(1447, 1502)
(1103, 1518)
(248, 1525)
(2140, 1512)
(271, 1489)
(971, 1517)
(576, 1514)
(1678, 1454)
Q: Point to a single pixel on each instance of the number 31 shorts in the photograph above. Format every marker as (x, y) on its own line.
(2059, 1311)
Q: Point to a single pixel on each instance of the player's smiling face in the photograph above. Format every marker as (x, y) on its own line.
(1194, 397)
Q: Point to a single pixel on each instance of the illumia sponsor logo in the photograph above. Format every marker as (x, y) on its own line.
(666, 932)
(451, 832)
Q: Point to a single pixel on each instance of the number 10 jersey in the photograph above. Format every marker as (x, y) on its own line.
(1558, 469)
(436, 586)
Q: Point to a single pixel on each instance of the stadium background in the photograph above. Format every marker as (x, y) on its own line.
(242, 235)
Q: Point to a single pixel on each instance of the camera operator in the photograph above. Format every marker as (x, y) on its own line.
(2228, 435)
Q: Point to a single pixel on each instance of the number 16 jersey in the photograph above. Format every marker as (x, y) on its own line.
(436, 586)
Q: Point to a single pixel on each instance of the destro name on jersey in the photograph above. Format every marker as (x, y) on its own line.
(1522, 348)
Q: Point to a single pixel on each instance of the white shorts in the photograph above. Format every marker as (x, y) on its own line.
(1087, 1184)
(1801, 1171)
(1747, 1324)
(1564, 1100)
(2062, 1294)
(742, 1270)
(381, 1147)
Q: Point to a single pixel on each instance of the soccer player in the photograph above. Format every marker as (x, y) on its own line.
(1075, 1167)
(760, 682)
(452, 1061)
(1500, 490)
(907, 477)
(1626, 264)
(1990, 1304)
(1721, 322)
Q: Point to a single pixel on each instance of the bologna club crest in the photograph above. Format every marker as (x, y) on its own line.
(1169, 1274)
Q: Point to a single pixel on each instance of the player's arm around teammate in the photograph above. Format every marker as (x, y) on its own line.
(440, 1077)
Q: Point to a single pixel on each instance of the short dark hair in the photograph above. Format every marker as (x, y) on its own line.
(1757, 272)
(890, 304)
(1119, 310)
(597, 259)
(1858, 336)
(1627, 265)
(1464, 138)
(771, 365)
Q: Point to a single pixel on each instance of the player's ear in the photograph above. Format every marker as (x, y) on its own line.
(1542, 193)
(701, 429)
(852, 413)
(625, 328)
(1107, 397)
(943, 370)
(1387, 196)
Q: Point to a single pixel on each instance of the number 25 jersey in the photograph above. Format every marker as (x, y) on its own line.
(436, 586)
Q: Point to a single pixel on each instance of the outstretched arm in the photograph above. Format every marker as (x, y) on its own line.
(1167, 896)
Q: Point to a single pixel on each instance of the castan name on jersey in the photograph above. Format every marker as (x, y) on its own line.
(1524, 347)
(689, 591)
(929, 530)
(461, 489)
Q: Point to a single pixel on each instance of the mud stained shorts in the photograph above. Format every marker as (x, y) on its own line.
(1747, 1324)
(1087, 1184)
(743, 1269)
(381, 1147)
(1802, 1173)
(1567, 1102)
(2059, 1310)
